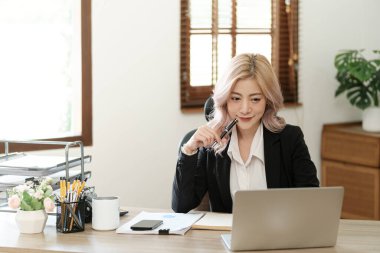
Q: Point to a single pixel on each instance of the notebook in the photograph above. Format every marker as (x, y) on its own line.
(285, 218)
(214, 221)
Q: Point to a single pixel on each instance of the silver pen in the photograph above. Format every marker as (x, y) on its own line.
(226, 130)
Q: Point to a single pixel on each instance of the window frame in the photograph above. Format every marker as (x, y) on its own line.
(86, 135)
(284, 30)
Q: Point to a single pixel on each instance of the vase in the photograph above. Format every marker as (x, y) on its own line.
(31, 222)
(371, 119)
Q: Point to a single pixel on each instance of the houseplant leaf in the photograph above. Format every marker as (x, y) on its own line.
(359, 96)
(343, 59)
(361, 69)
(346, 81)
(359, 77)
(374, 86)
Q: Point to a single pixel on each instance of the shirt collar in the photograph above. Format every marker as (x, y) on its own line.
(257, 146)
(233, 149)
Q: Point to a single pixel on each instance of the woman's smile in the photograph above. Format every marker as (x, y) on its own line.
(245, 119)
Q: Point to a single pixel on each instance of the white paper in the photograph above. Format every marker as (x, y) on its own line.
(33, 165)
(12, 180)
(8, 181)
(177, 223)
(35, 161)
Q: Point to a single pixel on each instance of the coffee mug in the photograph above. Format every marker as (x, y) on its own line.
(105, 213)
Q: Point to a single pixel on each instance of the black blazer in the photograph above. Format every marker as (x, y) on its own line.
(287, 164)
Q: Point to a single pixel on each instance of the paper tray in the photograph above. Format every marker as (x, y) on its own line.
(9, 181)
(36, 165)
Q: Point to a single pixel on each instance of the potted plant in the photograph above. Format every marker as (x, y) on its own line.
(32, 199)
(360, 79)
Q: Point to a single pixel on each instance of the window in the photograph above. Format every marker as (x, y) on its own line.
(213, 31)
(45, 66)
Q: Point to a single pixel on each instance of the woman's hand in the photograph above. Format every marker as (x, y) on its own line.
(203, 137)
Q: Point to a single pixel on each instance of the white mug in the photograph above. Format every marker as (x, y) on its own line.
(105, 213)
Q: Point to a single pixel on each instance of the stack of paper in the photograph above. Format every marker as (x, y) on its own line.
(214, 221)
(37, 165)
(175, 223)
(9, 181)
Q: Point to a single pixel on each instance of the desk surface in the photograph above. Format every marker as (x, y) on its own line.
(354, 237)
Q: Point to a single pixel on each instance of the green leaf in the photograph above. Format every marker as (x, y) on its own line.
(376, 80)
(359, 77)
(26, 197)
(48, 193)
(375, 98)
(359, 96)
(340, 90)
(361, 69)
(25, 206)
(342, 59)
(346, 83)
(36, 204)
(374, 88)
(376, 62)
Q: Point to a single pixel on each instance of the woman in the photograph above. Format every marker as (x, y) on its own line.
(261, 152)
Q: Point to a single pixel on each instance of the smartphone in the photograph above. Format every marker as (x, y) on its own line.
(146, 225)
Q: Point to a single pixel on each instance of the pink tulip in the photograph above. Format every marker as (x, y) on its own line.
(49, 205)
(14, 202)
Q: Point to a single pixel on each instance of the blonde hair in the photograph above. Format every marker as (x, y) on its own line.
(246, 66)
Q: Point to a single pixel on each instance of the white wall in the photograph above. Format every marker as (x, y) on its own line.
(326, 28)
(136, 113)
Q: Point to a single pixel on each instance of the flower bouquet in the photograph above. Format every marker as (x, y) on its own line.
(34, 194)
(32, 199)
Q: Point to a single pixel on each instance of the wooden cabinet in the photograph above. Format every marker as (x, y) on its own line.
(351, 158)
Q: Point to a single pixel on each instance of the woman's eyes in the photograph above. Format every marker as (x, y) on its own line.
(254, 99)
(257, 99)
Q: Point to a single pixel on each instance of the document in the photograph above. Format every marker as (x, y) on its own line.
(36, 165)
(8, 181)
(214, 221)
(173, 223)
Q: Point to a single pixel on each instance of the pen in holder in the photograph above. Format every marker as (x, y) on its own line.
(71, 216)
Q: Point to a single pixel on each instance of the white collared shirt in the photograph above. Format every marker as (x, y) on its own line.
(251, 174)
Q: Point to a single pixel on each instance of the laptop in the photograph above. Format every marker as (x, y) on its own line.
(285, 218)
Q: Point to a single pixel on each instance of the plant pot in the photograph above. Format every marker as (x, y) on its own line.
(31, 222)
(371, 119)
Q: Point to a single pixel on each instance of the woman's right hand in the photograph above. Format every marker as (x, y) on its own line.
(203, 137)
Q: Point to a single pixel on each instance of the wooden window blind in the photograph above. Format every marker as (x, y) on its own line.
(213, 31)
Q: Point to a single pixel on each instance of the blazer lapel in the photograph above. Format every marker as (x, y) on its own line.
(272, 157)
(223, 168)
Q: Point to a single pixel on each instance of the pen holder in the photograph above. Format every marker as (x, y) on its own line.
(71, 216)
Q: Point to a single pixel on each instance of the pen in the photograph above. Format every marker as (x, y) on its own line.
(77, 196)
(64, 187)
(226, 130)
(61, 189)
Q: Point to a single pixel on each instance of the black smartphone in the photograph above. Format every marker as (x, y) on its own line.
(146, 225)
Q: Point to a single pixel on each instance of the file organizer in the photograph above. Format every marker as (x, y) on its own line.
(23, 164)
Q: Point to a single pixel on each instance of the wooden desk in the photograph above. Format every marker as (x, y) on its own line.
(354, 237)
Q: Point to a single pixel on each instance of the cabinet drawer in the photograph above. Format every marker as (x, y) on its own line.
(361, 188)
(351, 145)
